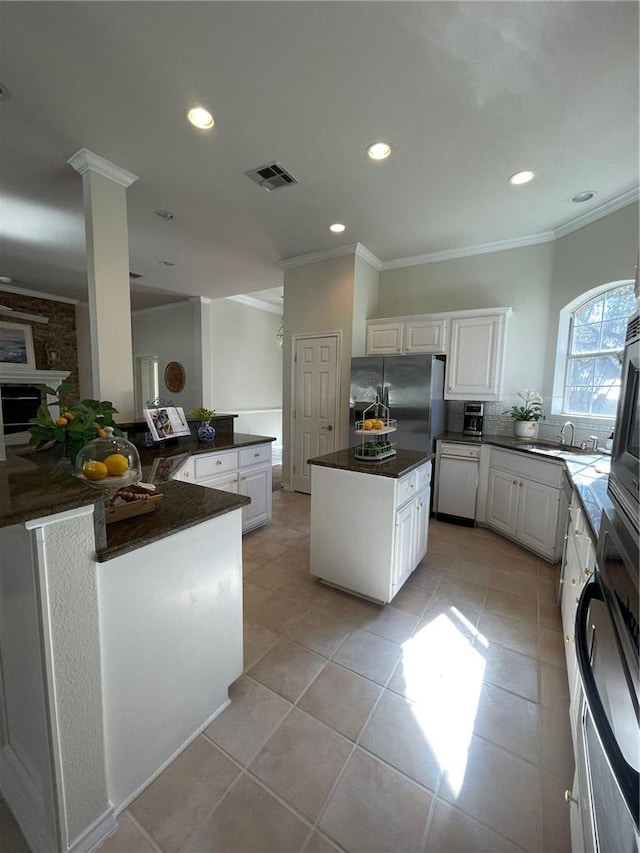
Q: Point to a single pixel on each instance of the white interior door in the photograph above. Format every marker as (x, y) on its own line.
(315, 416)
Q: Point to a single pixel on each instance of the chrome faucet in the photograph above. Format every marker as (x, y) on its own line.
(561, 433)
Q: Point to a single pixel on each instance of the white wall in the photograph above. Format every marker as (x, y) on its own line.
(318, 298)
(172, 333)
(603, 252)
(366, 283)
(247, 359)
(517, 278)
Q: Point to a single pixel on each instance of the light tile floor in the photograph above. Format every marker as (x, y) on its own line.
(438, 723)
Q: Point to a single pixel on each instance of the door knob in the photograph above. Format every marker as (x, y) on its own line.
(328, 428)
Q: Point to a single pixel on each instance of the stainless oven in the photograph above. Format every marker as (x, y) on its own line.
(625, 455)
(608, 742)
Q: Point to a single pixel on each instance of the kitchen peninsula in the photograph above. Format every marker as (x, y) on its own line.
(106, 634)
(369, 520)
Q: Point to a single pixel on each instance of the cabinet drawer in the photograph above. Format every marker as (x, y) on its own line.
(406, 488)
(226, 483)
(210, 465)
(423, 476)
(254, 455)
(523, 465)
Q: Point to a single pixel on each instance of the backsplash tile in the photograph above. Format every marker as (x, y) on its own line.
(496, 422)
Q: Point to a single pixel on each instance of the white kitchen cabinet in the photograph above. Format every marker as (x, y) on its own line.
(475, 357)
(527, 501)
(368, 532)
(246, 471)
(384, 338)
(425, 335)
(473, 341)
(412, 526)
(578, 565)
(416, 335)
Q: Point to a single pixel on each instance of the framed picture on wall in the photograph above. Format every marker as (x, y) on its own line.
(16, 346)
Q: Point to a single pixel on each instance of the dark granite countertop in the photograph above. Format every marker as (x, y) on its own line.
(588, 472)
(184, 506)
(396, 466)
(34, 485)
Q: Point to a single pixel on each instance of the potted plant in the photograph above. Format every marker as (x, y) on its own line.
(77, 423)
(525, 418)
(205, 430)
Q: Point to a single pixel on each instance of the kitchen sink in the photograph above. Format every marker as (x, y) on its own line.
(555, 448)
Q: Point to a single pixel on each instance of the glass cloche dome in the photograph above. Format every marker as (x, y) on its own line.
(110, 462)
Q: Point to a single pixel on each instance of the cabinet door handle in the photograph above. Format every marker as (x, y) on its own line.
(568, 639)
(255, 455)
(218, 461)
(515, 482)
(588, 573)
(521, 484)
(561, 580)
(243, 477)
(568, 797)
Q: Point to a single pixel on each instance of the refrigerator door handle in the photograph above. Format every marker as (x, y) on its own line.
(385, 396)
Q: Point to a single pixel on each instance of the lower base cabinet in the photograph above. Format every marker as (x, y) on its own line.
(527, 501)
(246, 471)
(368, 533)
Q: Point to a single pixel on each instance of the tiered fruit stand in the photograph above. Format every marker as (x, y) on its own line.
(374, 446)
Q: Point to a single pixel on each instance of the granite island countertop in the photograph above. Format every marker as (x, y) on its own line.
(33, 485)
(588, 472)
(395, 466)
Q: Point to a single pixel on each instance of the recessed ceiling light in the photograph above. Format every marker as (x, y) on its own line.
(586, 195)
(337, 228)
(167, 263)
(522, 177)
(200, 118)
(379, 150)
(163, 214)
(5, 279)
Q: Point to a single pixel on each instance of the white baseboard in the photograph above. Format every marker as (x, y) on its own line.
(123, 805)
(97, 834)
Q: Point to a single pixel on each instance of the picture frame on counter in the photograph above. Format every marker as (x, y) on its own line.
(166, 422)
(16, 346)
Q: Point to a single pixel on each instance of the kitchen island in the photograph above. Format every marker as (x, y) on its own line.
(369, 520)
(118, 642)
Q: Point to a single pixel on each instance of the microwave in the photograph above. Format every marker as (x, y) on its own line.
(624, 478)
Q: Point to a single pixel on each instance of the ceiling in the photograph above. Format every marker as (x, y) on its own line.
(466, 93)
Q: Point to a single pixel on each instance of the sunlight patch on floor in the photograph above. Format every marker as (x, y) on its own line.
(443, 676)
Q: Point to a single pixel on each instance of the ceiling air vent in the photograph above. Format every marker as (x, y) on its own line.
(272, 176)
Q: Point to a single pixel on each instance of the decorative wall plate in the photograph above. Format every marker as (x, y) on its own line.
(174, 376)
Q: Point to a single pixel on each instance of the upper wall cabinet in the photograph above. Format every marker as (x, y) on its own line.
(473, 341)
(414, 334)
(385, 338)
(475, 357)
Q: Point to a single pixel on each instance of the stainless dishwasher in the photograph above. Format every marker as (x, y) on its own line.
(457, 466)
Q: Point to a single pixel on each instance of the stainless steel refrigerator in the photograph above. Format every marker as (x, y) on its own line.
(411, 386)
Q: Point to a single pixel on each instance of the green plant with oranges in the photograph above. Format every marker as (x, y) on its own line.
(77, 423)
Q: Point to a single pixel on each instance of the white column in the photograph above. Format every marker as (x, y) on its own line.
(105, 215)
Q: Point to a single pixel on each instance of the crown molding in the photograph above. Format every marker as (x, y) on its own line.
(364, 253)
(468, 251)
(154, 309)
(23, 291)
(327, 254)
(256, 303)
(84, 161)
(598, 212)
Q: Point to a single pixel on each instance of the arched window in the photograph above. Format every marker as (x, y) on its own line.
(591, 335)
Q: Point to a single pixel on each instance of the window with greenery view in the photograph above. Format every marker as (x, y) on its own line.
(596, 335)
